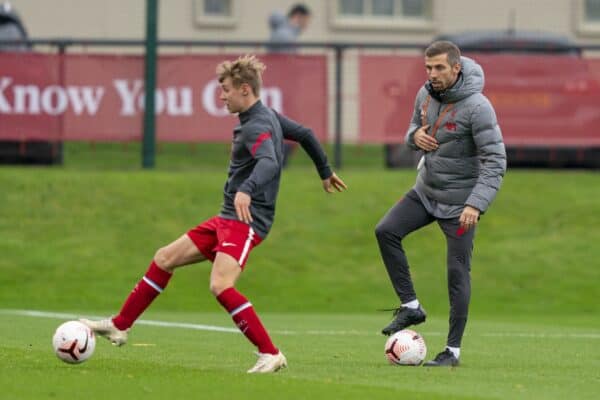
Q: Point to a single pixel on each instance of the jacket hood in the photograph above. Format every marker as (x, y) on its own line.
(276, 20)
(470, 81)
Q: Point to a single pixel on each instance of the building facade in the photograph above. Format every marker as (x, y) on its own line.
(333, 20)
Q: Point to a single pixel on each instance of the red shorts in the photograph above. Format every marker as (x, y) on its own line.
(226, 236)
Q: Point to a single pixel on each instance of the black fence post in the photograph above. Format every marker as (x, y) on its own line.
(149, 141)
(339, 52)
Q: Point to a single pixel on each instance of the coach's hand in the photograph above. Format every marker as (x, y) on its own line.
(424, 141)
(469, 217)
(242, 206)
(334, 182)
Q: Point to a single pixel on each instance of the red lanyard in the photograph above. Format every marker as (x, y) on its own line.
(436, 126)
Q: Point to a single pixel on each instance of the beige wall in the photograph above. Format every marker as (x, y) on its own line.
(125, 19)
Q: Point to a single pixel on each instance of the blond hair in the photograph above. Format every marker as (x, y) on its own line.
(246, 69)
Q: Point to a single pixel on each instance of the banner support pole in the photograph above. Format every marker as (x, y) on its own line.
(149, 134)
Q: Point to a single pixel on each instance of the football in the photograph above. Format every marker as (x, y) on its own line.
(405, 347)
(73, 342)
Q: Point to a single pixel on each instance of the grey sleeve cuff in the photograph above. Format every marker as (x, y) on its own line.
(247, 187)
(477, 202)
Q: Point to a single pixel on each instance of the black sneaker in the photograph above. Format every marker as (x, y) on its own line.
(403, 318)
(444, 359)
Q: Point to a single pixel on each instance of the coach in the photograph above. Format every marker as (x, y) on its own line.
(461, 170)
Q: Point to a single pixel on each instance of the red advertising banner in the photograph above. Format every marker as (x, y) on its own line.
(540, 100)
(101, 97)
(388, 86)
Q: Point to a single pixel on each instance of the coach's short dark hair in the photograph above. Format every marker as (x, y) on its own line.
(299, 9)
(444, 47)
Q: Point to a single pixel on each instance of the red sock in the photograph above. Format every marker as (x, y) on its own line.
(247, 321)
(151, 285)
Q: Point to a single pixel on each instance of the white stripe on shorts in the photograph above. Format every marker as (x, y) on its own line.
(154, 285)
(241, 308)
(246, 246)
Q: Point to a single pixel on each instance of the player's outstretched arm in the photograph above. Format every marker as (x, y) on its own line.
(334, 182)
(294, 131)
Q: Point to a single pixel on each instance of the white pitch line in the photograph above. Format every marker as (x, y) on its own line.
(185, 325)
(213, 328)
(541, 335)
(46, 314)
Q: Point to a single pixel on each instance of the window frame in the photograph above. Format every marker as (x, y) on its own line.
(379, 23)
(584, 27)
(210, 20)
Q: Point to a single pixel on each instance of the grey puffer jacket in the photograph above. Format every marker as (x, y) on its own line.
(470, 162)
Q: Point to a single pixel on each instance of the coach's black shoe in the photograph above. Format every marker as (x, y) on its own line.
(403, 318)
(444, 359)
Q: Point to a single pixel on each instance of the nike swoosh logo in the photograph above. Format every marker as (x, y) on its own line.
(82, 350)
(227, 244)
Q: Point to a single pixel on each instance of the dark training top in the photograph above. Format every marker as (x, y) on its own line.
(256, 162)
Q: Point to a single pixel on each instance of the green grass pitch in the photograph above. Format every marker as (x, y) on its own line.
(75, 239)
(331, 356)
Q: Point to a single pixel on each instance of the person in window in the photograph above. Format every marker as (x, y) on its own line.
(285, 30)
(11, 28)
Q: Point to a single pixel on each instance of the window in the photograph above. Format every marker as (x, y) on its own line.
(211, 13)
(217, 7)
(588, 18)
(382, 7)
(591, 11)
(385, 8)
(351, 7)
(382, 14)
(414, 8)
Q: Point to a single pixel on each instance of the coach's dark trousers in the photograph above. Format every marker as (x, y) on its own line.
(406, 216)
